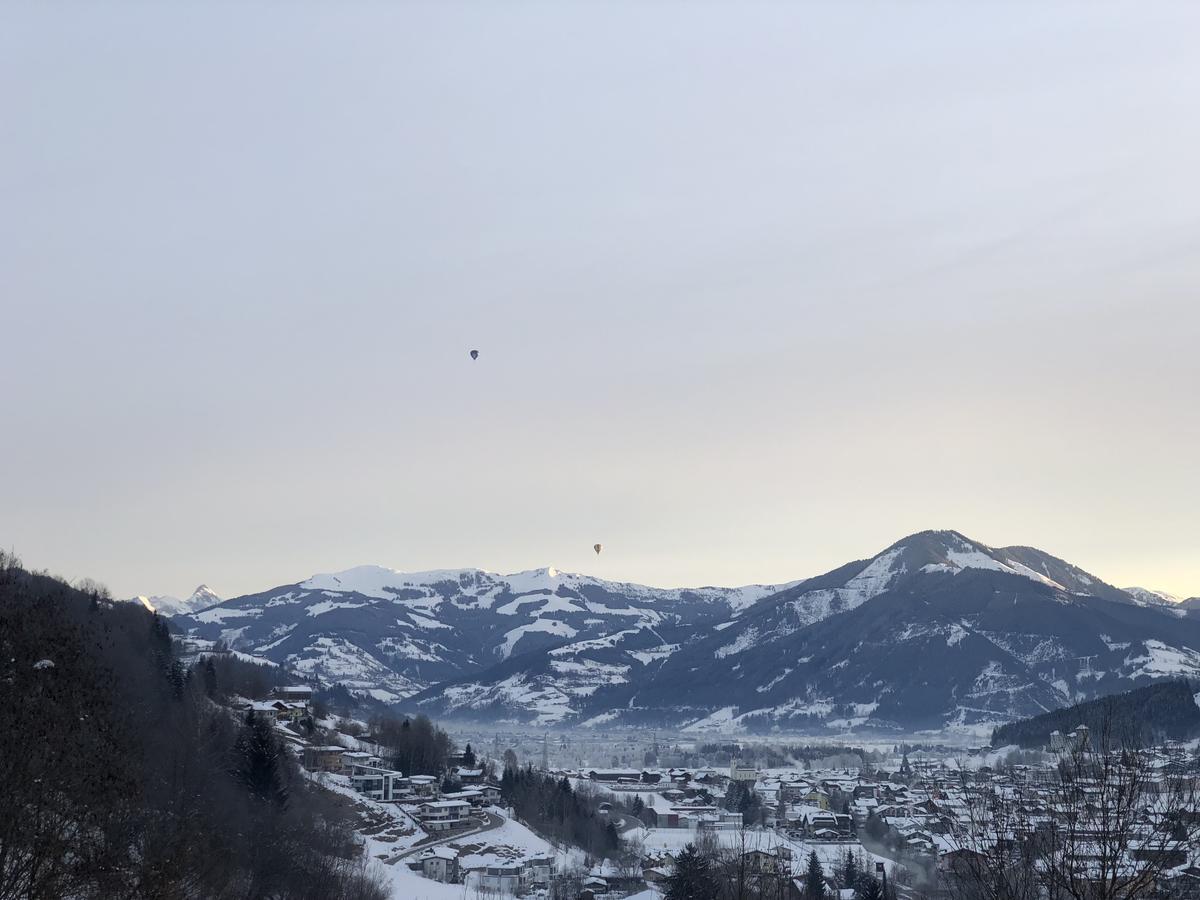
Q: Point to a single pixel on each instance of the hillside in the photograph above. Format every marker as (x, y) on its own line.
(123, 778)
(1143, 716)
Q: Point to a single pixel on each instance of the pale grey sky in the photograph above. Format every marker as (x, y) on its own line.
(758, 289)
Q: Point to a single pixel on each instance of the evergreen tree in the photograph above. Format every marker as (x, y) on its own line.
(468, 757)
(850, 875)
(210, 678)
(257, 762)
(814, 878)
(868, 888)
(692, 878)
(637, 805)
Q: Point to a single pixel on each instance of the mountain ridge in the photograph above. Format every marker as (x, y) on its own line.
(555, 647)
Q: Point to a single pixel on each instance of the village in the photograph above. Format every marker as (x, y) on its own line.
(920, 821)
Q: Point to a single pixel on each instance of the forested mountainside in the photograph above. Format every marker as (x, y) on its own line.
(1142, 717)
(123, 778)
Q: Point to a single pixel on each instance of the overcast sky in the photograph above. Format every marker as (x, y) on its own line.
(757, 289)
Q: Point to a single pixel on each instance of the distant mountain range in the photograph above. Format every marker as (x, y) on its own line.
(201, 598)
(936, 631)
(392, 634)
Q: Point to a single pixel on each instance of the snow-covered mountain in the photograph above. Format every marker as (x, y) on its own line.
(1146, 597)
(935, 631)
(201, 598)
(393, 634)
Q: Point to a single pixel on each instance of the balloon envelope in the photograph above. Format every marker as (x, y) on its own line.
(597, 548)
(474, 354)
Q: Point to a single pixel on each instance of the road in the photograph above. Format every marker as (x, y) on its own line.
(490, 822)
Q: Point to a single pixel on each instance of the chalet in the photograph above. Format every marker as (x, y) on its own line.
(443, 815)
(490, 794)
(324, 759)
(296, 693)
(468, 776)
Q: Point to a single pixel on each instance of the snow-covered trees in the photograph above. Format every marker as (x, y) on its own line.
(120, 777)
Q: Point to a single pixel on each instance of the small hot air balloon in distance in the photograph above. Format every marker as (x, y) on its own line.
(474, 354)
(597, 548)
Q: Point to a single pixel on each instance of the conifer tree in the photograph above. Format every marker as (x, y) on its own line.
(692, 878)
(814, 878)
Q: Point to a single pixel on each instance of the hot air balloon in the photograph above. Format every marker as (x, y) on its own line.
(597, 548)
(474, 354)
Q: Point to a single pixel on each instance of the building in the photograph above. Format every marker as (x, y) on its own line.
(739, 772)
(443, 815)
(352, 758)
(384, 785)
(424, 787)
(439, 864)
(297, 693)
(324, 759)
(504, 879)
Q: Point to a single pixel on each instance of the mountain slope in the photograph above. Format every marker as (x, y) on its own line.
(934, 631)
(393, 633)
(1146, 597)
(1169, 710)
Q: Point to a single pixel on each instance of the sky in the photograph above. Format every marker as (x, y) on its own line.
(758, 289)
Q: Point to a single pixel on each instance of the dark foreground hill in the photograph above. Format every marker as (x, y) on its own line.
(1144, 716)
(122, 778)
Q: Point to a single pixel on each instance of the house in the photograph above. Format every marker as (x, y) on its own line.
(490, 794)
(475, 798)
(627, 776)
(384, 785)
(763, 862)
(425, 787)
(593, 886)
(816, 797)
(278, 710)
(438, 864)
(296, 693)
(265, 709)
(443, 815)
(352, 758)
(540, 870)
(469, 776)
(324, 759)
(505, 879)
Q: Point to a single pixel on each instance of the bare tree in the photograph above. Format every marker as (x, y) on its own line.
(1105, 826)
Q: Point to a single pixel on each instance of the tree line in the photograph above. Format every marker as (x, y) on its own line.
(745, 869)
(554, 809)
(1143, 716)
